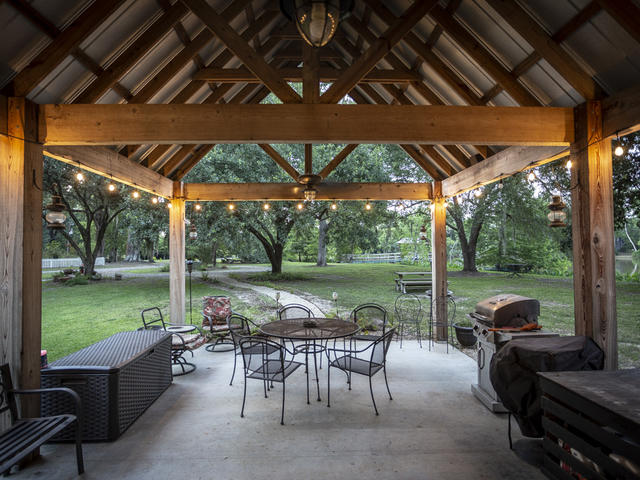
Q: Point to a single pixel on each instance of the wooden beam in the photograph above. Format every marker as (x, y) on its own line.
(503, 164)
(296, 74)
(63, 45)
(164, 124)
(296, 52)
(310, 75)
(108, 163)
(177, 258)
(127, 59)
(376, 52)
(439, 262)
(441, 162)
(594, 276)
(282, 163)
(308, 159)
(192, 162)
(551, 51)
(243, 50)
(219, 192)
(483, 57)
(621, 112)
(337, 160)
(626, 13)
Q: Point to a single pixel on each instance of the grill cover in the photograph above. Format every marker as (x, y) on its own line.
(509, 310)
(514, 367)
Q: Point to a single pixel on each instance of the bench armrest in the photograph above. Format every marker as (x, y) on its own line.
(74, 395)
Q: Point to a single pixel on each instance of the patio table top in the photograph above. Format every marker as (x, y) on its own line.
(309, 328)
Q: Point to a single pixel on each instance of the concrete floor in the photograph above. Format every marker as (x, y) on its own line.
(433, 429)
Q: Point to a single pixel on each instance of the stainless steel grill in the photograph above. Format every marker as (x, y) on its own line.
(500, 312)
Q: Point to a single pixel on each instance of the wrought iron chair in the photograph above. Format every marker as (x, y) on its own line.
(180, 342)
(294, 310)
(445, 324)
(372, 320)
(239, 327)
(215, 310)
(408, 311)
(349, 362)
(265, 360)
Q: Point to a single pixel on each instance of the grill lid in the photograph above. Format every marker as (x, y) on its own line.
(509, 310)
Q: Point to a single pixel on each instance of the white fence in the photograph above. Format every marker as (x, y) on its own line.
(67, 262)
(373, 258)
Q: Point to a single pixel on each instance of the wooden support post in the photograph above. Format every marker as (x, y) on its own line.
(176, 256)
(21, 245)
(439, 261)
(594, 280)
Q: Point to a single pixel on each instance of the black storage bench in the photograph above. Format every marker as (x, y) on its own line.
(116, 378)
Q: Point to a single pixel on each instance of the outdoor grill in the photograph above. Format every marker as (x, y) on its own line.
(502, 311)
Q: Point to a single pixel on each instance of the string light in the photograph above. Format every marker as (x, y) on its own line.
(197, 207)
(135, 194)
(80, 176)
(531, 176)
(169, 205)
(367, 206)
(478, 192)
(154, 200)
(111, 187)
(334, 206)
(300, 205)
(619, 151)
(568, 164)
(266, 206)
(231, 206)
(501, 184)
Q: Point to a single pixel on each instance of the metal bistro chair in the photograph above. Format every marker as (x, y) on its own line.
(239, 327)
(372, 319)
(350, 363)
(265, 360)
(180, 342)
(446, 324)
(297, 311)
(408, 310)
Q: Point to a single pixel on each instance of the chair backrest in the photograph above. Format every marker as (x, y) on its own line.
(152, 319)
(294, 310)
(239, 327)
(451, 307)
(7, 400)
(381, 347)
(408, 308)
(215, 310)
(257, 350)
(371, 317)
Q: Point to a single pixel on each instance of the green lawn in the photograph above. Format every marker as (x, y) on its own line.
(74, 317)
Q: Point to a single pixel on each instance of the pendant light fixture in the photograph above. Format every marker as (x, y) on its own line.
(54, 216)
(556, 215)
(193, 233)
(317, 20)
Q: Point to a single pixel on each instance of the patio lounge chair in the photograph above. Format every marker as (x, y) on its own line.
(349, 362)
(265, 360)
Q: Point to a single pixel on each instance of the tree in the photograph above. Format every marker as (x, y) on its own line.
(145, 223)
(626, 181)
(90, 208)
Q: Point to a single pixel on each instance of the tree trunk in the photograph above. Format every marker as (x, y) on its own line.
(133, 252)
(214, 254)
(276, 258)
(322, 243)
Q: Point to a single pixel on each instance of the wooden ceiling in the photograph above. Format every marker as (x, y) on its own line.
(387, 53)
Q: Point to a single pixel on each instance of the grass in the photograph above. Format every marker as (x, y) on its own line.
(74, 317)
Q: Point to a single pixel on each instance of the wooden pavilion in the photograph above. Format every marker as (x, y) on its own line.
(471, 90)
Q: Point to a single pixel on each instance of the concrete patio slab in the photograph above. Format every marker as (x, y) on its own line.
(434, 428)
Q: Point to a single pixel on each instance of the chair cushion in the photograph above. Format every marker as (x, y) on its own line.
(191, 341)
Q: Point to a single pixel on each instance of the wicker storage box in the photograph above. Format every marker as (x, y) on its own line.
(116, 378)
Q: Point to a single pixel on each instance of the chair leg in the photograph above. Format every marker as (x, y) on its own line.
(328, 383)
(384, 370)
(372, 399)
(419, 334)
(244, 396)
(315, 364)
(235, 356)
(306, 368)
(79, 457)
(401, 333)
(282, 415)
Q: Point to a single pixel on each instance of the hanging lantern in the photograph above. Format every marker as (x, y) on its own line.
(557, 216)
(54, 217)
(193, 233)
(316, 20)
(423, 234)
(309, 194)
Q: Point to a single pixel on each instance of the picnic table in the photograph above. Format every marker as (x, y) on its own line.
(516, 269)
(412, 280)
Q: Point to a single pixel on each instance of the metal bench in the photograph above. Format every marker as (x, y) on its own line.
(27, 434)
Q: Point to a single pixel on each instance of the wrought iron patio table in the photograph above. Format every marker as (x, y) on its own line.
(313, 333)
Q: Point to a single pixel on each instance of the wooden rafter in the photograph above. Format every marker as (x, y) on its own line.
(551, 51)
(376, 51)
(296, 52)
(234, 42)
(310, 74)
(421, 162)
(127, 59)
(626, 13)
(293, 191)
(64, 43)
(337, 160)
(296, 74)
(280, 160)
(441, 162)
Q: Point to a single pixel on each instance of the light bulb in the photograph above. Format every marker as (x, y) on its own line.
(619, 151)
(169, 205)
(299, 205)
(367, 206)
(531, 176)
(154, 200)
(477, 192)
(266, 206)
(197, 207)
(501, 184)
(568, 165)
(231, 207)
(111, 187)
(334, 206)
(135, 194)
(80, 177)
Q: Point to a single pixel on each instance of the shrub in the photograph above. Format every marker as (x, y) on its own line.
(77, 280)
(204, 275)
(164, 268)
(276, 277)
